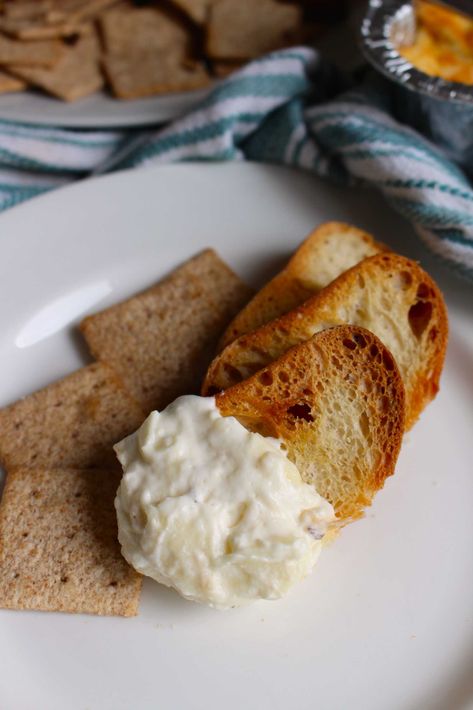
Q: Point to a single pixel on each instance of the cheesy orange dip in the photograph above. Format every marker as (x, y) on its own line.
(443, 44)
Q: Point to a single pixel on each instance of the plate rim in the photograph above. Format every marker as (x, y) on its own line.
(168, 107)
(118, 177)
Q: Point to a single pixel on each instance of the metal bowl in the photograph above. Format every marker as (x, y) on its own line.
(441, 109)
(390, 23)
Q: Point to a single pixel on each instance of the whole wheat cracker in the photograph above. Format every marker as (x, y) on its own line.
(243, 29)
(89, 9)
(328, 251)
(336, 401)
(75, 75)
(9, 83)
(72, 422)
(26, 10)
(41, 54)
(61, 9)
(197, 10)
(130, 31)
(134, 76)
(160, 341)
(30, 31)
(53, 19)
(386, 293)
(58, 544)
(76, 11)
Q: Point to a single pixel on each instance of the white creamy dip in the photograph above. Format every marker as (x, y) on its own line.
(213, 510)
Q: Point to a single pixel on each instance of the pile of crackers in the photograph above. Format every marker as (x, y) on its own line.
(58, 532)
(73, 48)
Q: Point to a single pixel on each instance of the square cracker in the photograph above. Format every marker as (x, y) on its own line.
(26, 10)
(133, 76)
(77, 10)
(127, 31)
(243, 29)
(35, 30)
(197, 10)
(44, 53)
(10, 83)
(58, 544)
(73, 422)
(76, 74)
(161, 341)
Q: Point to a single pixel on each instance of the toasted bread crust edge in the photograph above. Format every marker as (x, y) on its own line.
(422, 389)
(263, 405)
(286, 291)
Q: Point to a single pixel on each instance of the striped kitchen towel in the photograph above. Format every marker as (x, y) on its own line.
(287, 108)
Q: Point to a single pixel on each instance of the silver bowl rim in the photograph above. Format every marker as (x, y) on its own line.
(380, 51)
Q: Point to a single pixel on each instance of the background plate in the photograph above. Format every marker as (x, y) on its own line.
(386, 620)
(97, 111)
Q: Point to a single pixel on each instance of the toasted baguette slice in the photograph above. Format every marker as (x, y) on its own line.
(387, 294)
(328, 251)
(337, 403)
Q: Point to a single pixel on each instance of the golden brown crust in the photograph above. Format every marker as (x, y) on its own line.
(337, 402)
(331, 249)
(388, 294)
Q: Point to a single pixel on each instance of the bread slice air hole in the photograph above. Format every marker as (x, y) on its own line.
(419, 317)
(336, 362)
(301, 411)
(359, 340)
(388, 361)
(423, 291)
(265, 378)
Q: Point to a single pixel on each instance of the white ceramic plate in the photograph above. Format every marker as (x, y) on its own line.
(97, 111)
(386, 620)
